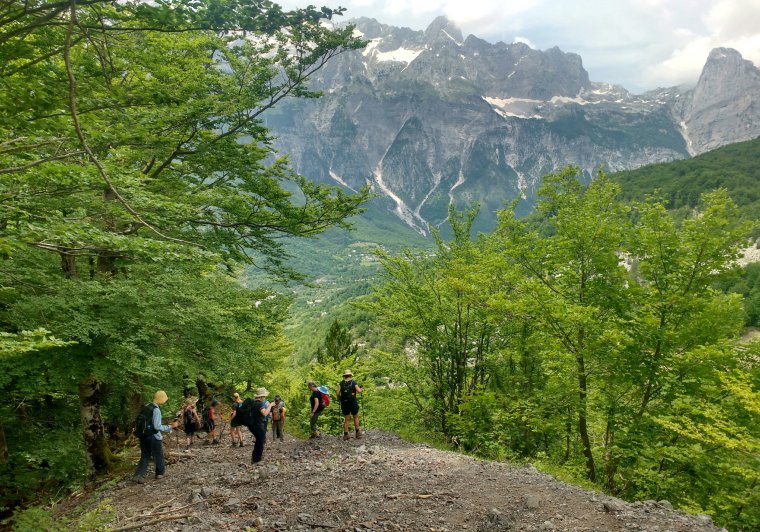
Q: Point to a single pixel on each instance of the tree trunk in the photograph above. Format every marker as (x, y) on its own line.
(200, 383)
(582, 423)
(3, 445)
(99, 458)
(69, 265)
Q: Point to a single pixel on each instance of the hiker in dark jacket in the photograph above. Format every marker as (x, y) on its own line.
(152, 445)
(261, 410)
(349, 404)
(316, 408)
(191, 421)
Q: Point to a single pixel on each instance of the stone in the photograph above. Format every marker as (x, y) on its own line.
(232, 505)
(665, 504)
(613, 505)
(532, 501)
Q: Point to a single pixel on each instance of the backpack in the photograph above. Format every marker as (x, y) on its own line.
(189, 420)
(204, 416)
(144, 422)
(347, 391)
(324, 394)
(245, 413)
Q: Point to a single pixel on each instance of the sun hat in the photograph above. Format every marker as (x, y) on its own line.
(261, 392)
(348, 373)
(160, 397)
(312, 383)
(236, 395)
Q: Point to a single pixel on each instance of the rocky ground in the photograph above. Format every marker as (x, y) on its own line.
(379, 483)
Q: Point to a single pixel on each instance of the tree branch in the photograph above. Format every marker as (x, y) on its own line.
(83, 140)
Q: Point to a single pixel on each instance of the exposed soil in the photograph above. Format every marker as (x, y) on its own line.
(379, 482)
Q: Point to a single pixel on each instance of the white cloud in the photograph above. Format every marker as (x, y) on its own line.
(524, 40)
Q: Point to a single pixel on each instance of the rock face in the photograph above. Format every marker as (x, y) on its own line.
(428, 118)
(724, 107)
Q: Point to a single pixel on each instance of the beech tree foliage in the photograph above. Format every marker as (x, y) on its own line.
(595, 338)
(136, 179)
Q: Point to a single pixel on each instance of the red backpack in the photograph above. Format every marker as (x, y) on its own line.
(324, 394)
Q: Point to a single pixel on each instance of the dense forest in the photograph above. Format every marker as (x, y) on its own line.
(680, 184)
(148, 233)
(137, 186)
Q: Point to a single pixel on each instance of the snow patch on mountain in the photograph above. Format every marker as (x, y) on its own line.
(337, 178)
(402, 209)
(399, 55)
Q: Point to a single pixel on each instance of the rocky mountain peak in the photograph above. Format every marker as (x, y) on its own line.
(724, 102)
(725, 57)
(442, 26)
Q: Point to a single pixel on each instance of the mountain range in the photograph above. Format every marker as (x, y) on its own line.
(429, 118)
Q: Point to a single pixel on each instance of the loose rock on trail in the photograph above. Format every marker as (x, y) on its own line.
(377, 483)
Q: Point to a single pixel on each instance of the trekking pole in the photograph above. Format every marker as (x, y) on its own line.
(364, 419)
(221, 432)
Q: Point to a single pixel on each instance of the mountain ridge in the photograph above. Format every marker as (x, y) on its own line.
(429, 118)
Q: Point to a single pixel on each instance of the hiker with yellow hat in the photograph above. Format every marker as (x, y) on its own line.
(149, 429)
(349, 405)
(261, 410)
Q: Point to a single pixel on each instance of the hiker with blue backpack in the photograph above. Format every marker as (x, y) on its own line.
(318, 404)
(349, 405)
(148, 429)
(260, 413)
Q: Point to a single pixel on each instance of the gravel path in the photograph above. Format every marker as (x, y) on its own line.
(377, 483)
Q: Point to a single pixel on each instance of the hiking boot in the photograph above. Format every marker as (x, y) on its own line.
(358, 434)
(234, 444)
(138, 480)
(159, 477)
(314, 435)
(346, 437)
(241, 444)
(215, 442)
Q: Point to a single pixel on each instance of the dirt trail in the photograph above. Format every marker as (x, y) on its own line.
(377, 483)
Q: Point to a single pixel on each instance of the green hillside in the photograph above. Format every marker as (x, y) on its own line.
(735, 167)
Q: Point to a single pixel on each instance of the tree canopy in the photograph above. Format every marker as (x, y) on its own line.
(137, 181)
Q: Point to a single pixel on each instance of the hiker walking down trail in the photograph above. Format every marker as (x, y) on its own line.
(349, 404)
(149, 428)
(261, 410)
(235, 433)
(211, 423)
(191, 421)
(317, 405)
(278, 418)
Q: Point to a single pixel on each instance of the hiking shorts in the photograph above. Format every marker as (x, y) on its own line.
(190, 429)
(211, 425)
(350, 408)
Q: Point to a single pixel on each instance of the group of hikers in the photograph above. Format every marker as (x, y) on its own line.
(251, 413)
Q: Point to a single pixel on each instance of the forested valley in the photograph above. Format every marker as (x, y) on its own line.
(151, 238)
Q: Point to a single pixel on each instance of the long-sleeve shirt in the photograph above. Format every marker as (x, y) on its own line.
(157, 425)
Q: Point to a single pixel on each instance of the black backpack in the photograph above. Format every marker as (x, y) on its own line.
(347, 391)
(189, 420)
(245, 413)
(144, 422)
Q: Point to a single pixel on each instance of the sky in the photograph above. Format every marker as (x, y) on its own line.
(639, 44)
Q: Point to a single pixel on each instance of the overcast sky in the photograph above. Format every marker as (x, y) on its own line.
(640, 44)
